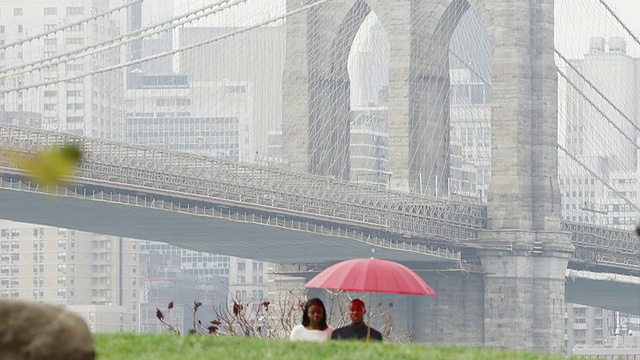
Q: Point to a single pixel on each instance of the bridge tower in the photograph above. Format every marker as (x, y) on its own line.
(523, 251)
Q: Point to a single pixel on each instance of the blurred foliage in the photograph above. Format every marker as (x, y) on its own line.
(49, 167)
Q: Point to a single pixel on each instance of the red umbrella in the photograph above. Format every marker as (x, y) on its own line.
(371, 275)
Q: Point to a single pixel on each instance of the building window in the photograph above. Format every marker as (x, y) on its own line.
(75, 41)
(17, 12)
(74, 67)
(235, 89)
(50, 11)
(75, 106)
(78, 27)
(76, 10)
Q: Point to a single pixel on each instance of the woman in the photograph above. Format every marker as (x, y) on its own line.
(314, 323)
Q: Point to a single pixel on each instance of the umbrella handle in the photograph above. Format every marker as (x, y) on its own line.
(368, 325)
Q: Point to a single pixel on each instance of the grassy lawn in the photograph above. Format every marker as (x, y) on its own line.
(168, 346)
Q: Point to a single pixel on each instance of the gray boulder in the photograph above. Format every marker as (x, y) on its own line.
(30, 330)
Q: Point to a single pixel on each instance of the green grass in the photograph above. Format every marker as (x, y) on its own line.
(169, 346)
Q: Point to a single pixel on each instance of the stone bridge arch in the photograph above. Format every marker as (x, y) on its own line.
(316, 87)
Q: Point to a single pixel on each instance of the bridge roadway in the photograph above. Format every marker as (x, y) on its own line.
(201, 226)
(605, 290)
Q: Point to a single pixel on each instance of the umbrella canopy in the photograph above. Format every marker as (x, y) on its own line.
(371, 275)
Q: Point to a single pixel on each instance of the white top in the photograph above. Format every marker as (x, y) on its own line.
(300, 333)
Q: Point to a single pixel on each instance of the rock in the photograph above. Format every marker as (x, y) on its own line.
(30, 330)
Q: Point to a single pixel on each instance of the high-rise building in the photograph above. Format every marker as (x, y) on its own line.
(210, 99)
(368, 146)
(587, 114)
(587, 327)
(463, 185)
(592, 129)
(90, 105)
(619, 213)
(596, 331)
(584, 198)
(246, 279)
(169, 111)
(81, 271)
(229, 80)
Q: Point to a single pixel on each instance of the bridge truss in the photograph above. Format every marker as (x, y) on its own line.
(354, 206)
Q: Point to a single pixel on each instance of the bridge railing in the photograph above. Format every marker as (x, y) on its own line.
(393, 211)
(605, 246)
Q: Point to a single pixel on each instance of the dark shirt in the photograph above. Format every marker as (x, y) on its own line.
(351, 332)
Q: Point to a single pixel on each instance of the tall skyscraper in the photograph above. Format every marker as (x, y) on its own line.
(368, 146)
(584, 122)
(88, 106)
(170, 111)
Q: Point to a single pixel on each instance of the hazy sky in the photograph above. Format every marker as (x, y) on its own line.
(576, 20)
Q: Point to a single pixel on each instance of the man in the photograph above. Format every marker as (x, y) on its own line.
(358, 329)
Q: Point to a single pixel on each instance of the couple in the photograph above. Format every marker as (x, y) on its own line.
(314, 324)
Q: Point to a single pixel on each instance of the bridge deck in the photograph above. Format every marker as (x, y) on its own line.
(200, 233)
